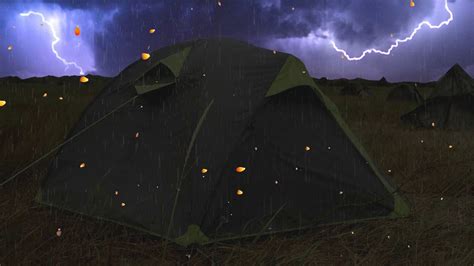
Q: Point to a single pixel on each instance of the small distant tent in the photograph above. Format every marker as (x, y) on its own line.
(355, 89)
(216, 139)
(451, 104)
(382, 82)
(404, 93)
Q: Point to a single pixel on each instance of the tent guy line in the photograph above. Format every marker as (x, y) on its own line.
(55, 41)
(398, 41)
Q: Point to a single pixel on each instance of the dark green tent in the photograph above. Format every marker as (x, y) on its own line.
(217, 105)
(405, 93)
(451, 105)
(383, 82)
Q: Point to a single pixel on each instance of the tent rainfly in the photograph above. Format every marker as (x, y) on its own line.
(406, 93)
(451, 105)
(217, 139)
(383, 81)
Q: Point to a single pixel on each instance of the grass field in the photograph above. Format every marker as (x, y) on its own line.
(437, 180)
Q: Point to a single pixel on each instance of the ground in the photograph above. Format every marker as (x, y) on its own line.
(433, 167)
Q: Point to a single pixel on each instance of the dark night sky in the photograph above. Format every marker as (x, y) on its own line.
(114, 33)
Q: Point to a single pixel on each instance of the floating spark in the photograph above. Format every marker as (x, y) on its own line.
(55, 41)
(398, 41)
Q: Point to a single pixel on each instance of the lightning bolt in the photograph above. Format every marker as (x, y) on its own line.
(55, 41)
(398, 41)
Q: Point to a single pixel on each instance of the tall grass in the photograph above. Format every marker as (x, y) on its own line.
(437, 180)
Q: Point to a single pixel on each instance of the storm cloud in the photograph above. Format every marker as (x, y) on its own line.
(303, 27)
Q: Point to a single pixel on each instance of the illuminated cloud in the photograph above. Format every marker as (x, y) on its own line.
(115, 33)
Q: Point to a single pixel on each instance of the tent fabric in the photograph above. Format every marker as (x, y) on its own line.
(455, 82)
(457, 113)
(175, 62)
(142, 89)
(233, 105)
(292, 74)
(163, 73)
(383, 81)
(405, 92)
(450, 106)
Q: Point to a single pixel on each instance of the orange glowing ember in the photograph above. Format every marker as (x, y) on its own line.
(145, 56)
(84, 79)
(240, 169)
(77, 31)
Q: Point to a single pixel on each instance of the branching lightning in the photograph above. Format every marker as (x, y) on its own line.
(398, 41)
(55, 41)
